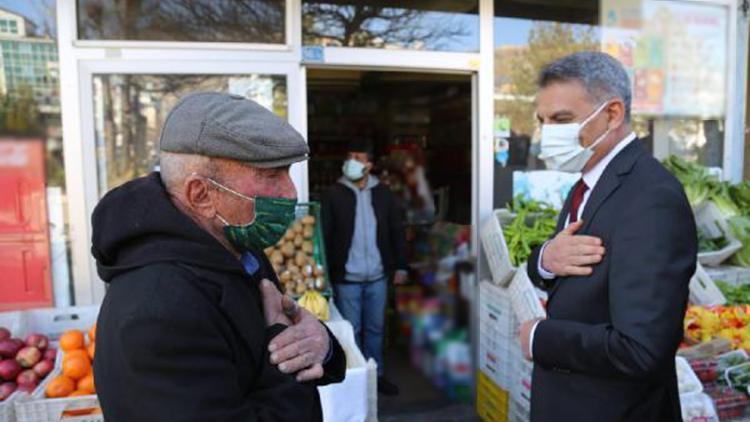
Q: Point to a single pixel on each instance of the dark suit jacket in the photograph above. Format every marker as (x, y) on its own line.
(606, 351)
(338, 210)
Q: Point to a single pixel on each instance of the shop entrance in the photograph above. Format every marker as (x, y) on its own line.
(420, 128)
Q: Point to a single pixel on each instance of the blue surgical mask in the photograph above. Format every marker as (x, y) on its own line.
(353, 170)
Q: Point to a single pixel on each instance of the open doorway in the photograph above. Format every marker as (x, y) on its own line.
(420, 128)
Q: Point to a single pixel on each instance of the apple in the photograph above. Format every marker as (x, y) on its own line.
(43, 368)
(4, 333)
(29, 356)
(9, 348)
(9, 369)
(50, 354)
(6, 389)
(27, 377)
(39, 341)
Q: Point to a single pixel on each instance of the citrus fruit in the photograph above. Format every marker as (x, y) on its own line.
(60, 386)
(86, 384)
(76, 367)
(72, 340)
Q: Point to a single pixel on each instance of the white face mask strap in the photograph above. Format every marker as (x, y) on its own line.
(220, 186)
(594, 114)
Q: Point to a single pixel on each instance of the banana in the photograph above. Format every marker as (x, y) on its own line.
(314, 302)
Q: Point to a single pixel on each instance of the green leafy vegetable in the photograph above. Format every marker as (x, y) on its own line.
(735, 295)
(534, 223)
(699, 184)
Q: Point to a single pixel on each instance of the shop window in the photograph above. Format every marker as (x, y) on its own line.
(246, 21)
(34, 254)
(129, 111)
(423, 25)
(674, 51)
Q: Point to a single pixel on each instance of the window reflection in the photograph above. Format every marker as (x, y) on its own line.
(250, 21)
(425, 25)
(129, 111)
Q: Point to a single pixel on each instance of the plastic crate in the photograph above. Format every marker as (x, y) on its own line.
(730, 404)
(8, 409)
(52, 322)
(698, 408)
(38, 408)
(712, 224)
(496, 250)
(688, 381)
(703, 290)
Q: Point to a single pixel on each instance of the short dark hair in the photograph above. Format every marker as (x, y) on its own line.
(601, 75)
(360, 145)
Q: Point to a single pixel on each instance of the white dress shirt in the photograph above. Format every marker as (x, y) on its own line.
(590, 178)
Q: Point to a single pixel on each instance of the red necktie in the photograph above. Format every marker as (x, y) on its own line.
(578, 191)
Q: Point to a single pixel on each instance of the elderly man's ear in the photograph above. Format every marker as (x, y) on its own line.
(199, 196)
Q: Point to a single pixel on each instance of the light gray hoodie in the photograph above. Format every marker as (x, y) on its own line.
(364, 262)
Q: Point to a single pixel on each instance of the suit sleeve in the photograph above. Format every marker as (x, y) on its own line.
(396, 228)
(532, 269)
(652, 258)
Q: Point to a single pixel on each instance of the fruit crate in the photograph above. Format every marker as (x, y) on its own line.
(7, 408)
(38, 408)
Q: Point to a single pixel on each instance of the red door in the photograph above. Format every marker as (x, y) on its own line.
(24, 235)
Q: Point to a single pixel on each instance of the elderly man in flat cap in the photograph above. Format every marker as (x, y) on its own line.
(193, 327)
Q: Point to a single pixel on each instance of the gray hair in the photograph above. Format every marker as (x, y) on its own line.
(601, 74)
(175, 168)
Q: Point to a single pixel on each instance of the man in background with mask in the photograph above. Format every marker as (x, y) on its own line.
(364, 237)
(193, 327)
(618, 269)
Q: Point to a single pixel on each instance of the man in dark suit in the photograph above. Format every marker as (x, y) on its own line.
(617, 270)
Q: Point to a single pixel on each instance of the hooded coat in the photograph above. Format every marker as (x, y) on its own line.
(181, 335)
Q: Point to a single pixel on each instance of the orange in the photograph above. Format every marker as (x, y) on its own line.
(86, 384)
(92, 333)
(77, 353)
(79, 393)
(76, 367)
(92, 351)
(72, 340)
(60, 386)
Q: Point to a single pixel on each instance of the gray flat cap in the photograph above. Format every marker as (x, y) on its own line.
(221, 125)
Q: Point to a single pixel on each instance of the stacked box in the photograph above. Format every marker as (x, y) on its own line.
(496, 333)
(492, 401)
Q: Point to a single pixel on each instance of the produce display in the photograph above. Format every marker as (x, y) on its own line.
(735, 295)
(703, 324)
(533, 224)
(23, 364)
(77, 377)
(295, 258)
(699, 184)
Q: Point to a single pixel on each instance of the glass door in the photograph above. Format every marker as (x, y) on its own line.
(124, 103)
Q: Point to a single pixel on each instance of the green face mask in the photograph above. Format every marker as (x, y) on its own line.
(272, 218)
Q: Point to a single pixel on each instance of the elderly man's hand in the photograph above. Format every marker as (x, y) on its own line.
(569, 254)
(304, 346)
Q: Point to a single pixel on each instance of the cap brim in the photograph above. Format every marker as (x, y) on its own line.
(279, 162)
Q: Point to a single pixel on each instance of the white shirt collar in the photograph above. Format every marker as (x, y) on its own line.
(592, 176)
